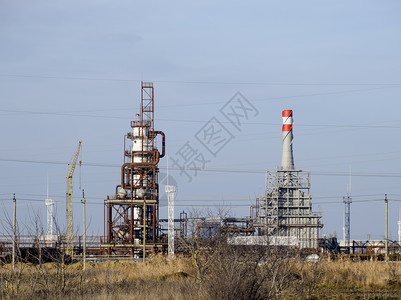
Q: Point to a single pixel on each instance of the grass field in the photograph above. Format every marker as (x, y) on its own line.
(164, 279)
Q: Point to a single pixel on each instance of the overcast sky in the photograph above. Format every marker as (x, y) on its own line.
(71, 70)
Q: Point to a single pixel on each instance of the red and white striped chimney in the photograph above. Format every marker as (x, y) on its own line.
(287, 159)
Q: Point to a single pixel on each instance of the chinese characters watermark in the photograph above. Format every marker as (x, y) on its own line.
(213, 136)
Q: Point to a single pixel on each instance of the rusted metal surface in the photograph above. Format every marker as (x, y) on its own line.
(132, 224)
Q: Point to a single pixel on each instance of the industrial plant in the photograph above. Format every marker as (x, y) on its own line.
(282, 217)
(285, 210)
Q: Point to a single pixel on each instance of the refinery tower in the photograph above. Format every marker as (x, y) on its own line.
(132, 213)
(285, 210)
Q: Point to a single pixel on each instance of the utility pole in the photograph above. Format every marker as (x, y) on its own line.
(386, 233)
(84, 233)
(386, 220)
(14, 229)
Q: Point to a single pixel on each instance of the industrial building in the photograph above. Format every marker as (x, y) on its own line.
(285, 210)
(282, 216)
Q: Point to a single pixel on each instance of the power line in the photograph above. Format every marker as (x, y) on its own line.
(217, 170)
(62, 114)
(205, 121)
(277, 124)
(200, 121)
(219, 202)
(228, 198)
(203, 82)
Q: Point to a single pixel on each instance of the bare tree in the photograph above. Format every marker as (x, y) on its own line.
(226, 270)
(12, 278)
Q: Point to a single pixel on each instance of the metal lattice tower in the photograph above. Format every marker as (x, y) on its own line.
(170, 190)
(286, 208)
(347, 214)
(49, 208)
(347, 219)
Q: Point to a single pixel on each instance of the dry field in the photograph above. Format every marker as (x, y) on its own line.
(164, 279)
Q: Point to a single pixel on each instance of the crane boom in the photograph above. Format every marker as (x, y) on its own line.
(70, 224)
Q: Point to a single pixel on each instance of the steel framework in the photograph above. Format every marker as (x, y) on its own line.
(49, 217)
(170, 190)
(347, 219)
(132, 214)
(286, 208)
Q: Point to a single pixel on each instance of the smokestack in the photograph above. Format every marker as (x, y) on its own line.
(287, 160)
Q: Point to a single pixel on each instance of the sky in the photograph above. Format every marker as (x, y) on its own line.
(72, 70)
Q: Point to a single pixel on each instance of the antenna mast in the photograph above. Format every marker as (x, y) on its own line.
(347, 213)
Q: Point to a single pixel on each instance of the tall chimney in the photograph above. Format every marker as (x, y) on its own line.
(287, 160)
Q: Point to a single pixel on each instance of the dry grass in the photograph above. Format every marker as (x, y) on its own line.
(352, 280)
(165, 279)
(161, 279)
(369, 275)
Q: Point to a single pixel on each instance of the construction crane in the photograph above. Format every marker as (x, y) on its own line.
(70, 223)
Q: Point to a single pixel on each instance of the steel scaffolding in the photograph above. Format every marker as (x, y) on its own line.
(286, 208)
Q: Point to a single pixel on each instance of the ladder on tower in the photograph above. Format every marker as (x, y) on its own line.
(70, 223)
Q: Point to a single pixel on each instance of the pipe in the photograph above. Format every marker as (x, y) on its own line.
(117, 188)
(145, 164)
(163, 141)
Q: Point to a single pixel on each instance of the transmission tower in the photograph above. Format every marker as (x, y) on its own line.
(347, 213)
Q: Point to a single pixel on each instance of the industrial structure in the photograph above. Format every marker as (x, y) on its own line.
(347, 215)
(132, 213)
(399, 226)
(170, 190)
(281, 218)
(49, 216)
(70, 190)
(285, 210)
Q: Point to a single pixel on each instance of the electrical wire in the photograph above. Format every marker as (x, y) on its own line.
(199, 82)
(205, 121)
(225, 203)
(199, 199)
(219, 170)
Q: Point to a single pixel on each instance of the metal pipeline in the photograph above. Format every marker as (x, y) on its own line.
(163, 141)
(117, 188)
(145, 164)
